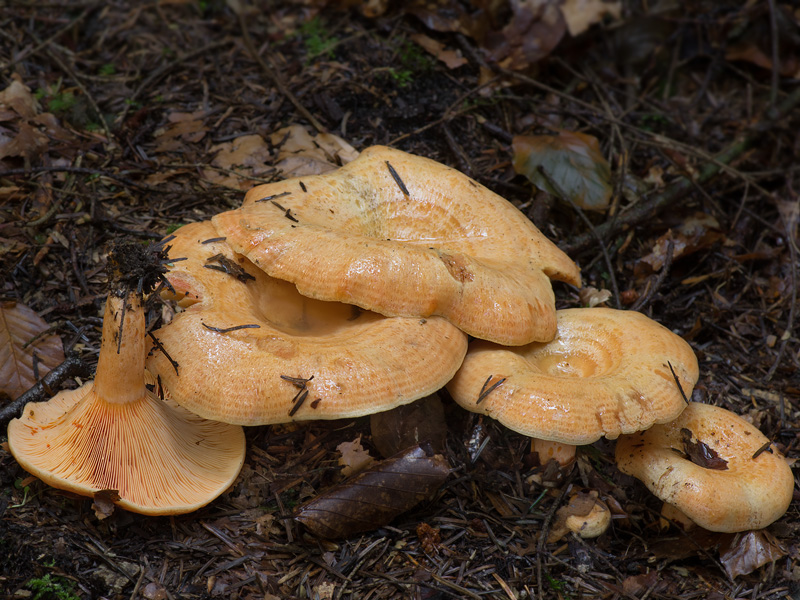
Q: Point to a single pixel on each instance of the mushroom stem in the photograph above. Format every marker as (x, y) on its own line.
(120, 366)
(563, 454)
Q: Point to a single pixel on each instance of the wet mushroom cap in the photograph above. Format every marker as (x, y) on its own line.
(114, 433)
(405, 236)
(605, 373)
(251, 350)
(753, 490)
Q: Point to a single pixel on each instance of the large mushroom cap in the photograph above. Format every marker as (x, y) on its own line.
(753, 489)
(297, 358)
(115, 434)
(405, 236)
(605, 373)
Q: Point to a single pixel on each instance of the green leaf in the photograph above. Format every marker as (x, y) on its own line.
(571, 160)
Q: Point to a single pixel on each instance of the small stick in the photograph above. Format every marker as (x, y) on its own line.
(761, 450)
(234, 328)
(397, 179)
(298, 401)
(163, 350)
(297, 381)
(486, 391)
(272, 198)
(678, 383)
(72, 366)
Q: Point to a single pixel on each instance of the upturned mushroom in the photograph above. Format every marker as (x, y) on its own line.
(403, 235)
(607, 372)
(742, 483)
(251, 350)
(115, 433)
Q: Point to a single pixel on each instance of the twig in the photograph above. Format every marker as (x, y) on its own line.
(659, 279)
(566, 197)
(83, 171)
(270, 72)
(164, 69)
(776, 59)
(49, 40)
(71, 367)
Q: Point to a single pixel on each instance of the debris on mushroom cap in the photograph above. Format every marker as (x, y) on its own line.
(251, 350)
(405, 236)
(753, 491)
(606, 373)
(114, 433)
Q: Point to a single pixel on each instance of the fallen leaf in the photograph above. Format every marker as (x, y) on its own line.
(17, 96)
(300, 153)
(533, 31)
(19, 325)
(246, 154)
(104, 503)
(591, 296)
(695, 233)
(422, 421)
(374, 497)
(183, 127)
(452, 58)
(572, 160)
(29, 143)
(701, 454)
(746, 552)
(354, 458)
(582, 14)
(634, 585)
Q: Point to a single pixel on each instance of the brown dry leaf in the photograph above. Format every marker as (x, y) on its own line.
(301, 154)
(104, 503)
(422, 421)
(750, 52)
(374, 497)
(695, 233)
(183, 127)
(533, 31)
(637, 584)
(746, 552)
(247, 154)
(28, 143)
(452, 58)
(701, 454)
(17, 96)
(572, 160)
(591, 296)
(18, 326)
(582, 14)
(354, 458)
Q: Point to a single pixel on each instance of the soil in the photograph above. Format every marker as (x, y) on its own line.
(135, 104)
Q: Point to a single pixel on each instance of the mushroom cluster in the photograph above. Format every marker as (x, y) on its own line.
(353, 292)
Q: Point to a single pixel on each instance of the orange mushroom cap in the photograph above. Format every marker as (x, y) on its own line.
(114, 433)
(753, 490)
(605, 373)
(405, 236)
(298, 358)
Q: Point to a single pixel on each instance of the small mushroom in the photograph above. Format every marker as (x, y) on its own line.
(251, 350)
(748, 488)
(607, 372)
(593, 524)
(403, 235)
(114, 433)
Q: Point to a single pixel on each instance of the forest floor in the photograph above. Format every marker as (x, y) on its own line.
(141, 117)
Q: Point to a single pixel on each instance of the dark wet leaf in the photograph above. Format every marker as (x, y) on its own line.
(570, 160)
(700, 454)
(746, 552)
(374, 497)
(104, 503)
(422, 421)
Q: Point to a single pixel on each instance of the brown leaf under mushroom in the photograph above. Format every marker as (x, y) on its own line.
(374, 497)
